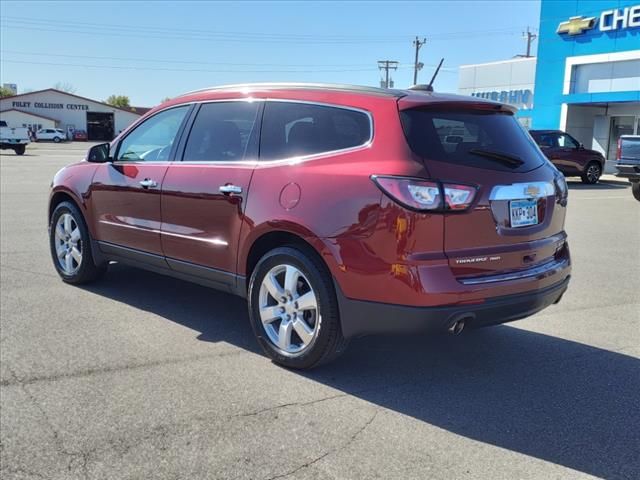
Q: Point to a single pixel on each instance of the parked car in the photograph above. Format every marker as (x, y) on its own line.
(51, 134)
(14, 138)
(628, 161)
(80, 135)
(336, 211)
(569, 156)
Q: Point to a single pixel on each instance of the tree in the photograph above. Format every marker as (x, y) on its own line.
(5, 92)
(65, 87)
(120, 101)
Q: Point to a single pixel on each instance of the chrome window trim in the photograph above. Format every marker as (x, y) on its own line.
(286, 160)
(517, 191)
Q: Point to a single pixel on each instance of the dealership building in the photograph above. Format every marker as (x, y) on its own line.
(585, 79)
(53, 108)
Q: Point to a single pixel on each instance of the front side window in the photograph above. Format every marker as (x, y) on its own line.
(221, 132)
(292, 129)
(152, 140)
(565, 141)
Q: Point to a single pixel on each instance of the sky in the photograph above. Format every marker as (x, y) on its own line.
(152, 50)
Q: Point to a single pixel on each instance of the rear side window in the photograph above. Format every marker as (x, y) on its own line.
(488, 140)
(221, 132)
(297, 129)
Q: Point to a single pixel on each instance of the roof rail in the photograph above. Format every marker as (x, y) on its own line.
(303, 86)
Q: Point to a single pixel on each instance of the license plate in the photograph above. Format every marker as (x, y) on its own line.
(523, 212)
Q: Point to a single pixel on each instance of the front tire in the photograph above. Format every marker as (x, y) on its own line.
(19, 150)
(293, 309)
(56, 139)
(592, 173)
(70, 246)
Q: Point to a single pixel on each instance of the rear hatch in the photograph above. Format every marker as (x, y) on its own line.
(515, 221)
(629, 150)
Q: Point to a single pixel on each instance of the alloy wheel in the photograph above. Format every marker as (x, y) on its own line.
(593, 173)
(68, 243)
(288, 309)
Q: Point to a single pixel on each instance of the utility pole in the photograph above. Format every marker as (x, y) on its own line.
(529, 37)
(387, 65)
(416, 65)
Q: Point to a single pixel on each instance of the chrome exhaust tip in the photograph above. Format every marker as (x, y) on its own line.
(457, 327)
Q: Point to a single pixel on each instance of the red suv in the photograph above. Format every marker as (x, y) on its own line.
(337, 211)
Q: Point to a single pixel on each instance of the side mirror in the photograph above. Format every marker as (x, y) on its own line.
(581, 146)
(99, 153)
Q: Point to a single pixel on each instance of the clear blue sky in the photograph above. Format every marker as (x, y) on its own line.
(152, 50)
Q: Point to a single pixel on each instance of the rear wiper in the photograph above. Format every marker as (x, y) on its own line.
(505, 158)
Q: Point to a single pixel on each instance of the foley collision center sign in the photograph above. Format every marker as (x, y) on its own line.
(608, 21)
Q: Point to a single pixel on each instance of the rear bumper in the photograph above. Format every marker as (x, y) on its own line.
(630, 171)
(364, 317)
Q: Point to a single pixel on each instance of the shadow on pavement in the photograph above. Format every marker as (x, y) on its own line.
(557, 400)
(601, 185)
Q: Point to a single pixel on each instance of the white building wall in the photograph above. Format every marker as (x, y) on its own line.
(18, 119)
(69, 110)
(500, 81)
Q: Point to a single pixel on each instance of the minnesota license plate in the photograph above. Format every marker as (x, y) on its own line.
(523, 212)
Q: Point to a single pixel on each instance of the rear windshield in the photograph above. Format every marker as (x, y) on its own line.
(630, 148)
(480, 139)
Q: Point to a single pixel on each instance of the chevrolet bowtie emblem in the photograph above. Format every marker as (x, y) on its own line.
(576, 25)
(532, 191)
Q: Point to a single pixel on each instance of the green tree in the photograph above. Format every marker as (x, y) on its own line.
(121, 101)
(5, 92)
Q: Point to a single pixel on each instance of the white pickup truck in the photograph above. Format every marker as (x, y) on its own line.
(16, 139)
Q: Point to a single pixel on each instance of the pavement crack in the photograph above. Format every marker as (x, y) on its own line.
(89, 372)
(292, 404)
(341, 447)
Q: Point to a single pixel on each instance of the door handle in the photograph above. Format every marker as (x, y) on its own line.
(148, 183)
(228, 189)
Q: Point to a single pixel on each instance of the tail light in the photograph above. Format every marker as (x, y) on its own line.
(562, 191)
(426, 195)
(619, 150)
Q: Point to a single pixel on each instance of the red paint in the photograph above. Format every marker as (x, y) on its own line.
(376, 249)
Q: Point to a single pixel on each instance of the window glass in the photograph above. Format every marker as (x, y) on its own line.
(295, 129)
(479, 139)
(565, 141)
(221, 132)
(152, 140)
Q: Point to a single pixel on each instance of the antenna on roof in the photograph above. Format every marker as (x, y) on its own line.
(429, 86)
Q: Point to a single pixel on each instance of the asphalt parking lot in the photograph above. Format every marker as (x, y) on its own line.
(141, 376)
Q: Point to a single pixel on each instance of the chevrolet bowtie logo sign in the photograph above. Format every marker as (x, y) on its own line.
(532, 191)
(576, 25)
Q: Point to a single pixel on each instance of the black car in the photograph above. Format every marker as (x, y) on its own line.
(569, 156)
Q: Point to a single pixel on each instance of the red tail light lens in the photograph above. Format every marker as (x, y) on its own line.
(619, 150)
(458, 197)
(426, 195)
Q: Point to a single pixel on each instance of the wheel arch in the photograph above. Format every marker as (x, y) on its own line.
(277, 238)
(59, 196)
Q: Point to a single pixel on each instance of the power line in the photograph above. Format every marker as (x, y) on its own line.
(136, 67)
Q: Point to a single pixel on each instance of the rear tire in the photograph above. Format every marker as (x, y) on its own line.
(56, 139)
(635, 190)
(306, 303)
(592, 173)
(70, 246)
(20, 149)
